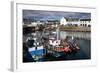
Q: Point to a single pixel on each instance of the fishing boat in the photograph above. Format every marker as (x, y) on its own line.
(60, 47)
(36, 49)
(37, 53)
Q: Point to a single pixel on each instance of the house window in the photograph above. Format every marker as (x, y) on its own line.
(81, 25)
(76, 25)
(89, 25)
(85, 25)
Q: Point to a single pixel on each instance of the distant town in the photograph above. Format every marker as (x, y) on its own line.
(71, 24)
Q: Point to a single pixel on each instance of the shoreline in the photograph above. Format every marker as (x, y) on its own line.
(74, 30)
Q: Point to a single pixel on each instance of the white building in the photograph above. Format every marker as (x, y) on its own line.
(37, 23)
(85, 22)
(34, 23)
(69, 21)
(63, 21)
(75, 21)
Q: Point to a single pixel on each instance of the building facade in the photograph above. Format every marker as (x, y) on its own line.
(75, 22)
(70, 21)
(85, 22)
(63, 21)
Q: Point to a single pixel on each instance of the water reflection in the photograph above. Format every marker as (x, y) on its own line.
(84, 35)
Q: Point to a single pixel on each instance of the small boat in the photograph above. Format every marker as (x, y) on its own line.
(74, 46)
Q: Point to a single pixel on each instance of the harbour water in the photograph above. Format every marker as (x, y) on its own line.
(84, 41)
(83, 35)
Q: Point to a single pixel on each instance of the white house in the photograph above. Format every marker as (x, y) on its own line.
(37, 23)
(85, 22)
(63, 21)
(75, 21)
(69, 21)
(34, 23)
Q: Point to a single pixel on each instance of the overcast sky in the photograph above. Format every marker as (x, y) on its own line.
(53, 15)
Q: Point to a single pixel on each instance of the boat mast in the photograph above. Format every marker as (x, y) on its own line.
(57, 31)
